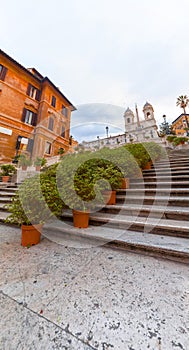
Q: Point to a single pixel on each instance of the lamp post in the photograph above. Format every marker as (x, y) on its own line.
(98, 138)
(107, 131)
(19, 138)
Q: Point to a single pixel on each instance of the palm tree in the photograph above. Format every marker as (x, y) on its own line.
(182, 102)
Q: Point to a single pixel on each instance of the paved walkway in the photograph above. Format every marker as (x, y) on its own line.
(57, 297)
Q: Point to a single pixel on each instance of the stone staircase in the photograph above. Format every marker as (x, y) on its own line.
(152, 216)
(7, 191)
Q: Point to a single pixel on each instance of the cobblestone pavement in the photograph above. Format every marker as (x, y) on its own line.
(56, 297)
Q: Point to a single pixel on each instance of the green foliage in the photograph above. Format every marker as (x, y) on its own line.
(36, 200)
(7, 170)
(144, 152)
(24, 160)
(61, 151)
(170, 138)
(40, 161)
(179, 140)
(28, 205)
(50, 191)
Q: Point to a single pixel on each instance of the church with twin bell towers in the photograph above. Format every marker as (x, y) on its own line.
(137, 129)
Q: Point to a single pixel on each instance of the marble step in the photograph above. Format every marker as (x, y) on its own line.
(6, 193)
(178, 170)
(166, 247)
(5, 199)
(170, 165)
(9, 189)
(163, 184)
(151, 225)
(173, 161)
(164, 212)
(160, 178)
(167, 172)
(154, 192)
(157, 200)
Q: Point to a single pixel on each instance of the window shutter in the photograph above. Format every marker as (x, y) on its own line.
(3, 73)
(23, 115)
(28, 89)
(38, 95)
(30, 145)
(34, 119)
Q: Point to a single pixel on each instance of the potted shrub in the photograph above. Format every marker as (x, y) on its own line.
(170, 138)
(76, 185)
(7, 170)
(61, 151)
(24, 161)
(39, 162)
(103, 169)
(29, 210)
(180, 140)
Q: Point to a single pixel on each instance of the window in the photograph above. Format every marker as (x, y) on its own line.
(48, 148)
(64, 111)
(3, 71)
(128, 120)
(33, 92)
(63, 132)
(51, 124)
(29, 117)
(53, 101)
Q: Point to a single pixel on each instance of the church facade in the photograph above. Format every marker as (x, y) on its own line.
(136, 130)
(140, 130)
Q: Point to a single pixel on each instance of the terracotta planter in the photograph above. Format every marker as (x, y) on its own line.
(125, 183)
(24, 167)
(31, 235)
(110, 197)
(5, 178)
(80, 218)
(148, 166)
(38, 167)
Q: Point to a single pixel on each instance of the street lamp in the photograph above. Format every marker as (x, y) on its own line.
(18, 142)
(107, 131)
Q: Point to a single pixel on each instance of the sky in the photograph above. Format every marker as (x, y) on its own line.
(104, 55)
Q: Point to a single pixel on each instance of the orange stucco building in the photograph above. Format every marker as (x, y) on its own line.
(180, 125)
(34, 113)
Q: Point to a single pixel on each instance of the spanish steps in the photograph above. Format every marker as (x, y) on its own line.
(151, 217)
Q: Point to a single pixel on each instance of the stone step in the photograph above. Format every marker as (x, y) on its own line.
(5, 199)
(166, 169)
(170, 165)
(163, 184)
(157, 200)
(6, 193)
(164, 212)
(160, 178)
(170, 172)
(154, 192)
(167, 247)
(173, 161)
(3, 215)
(2, 206)
(9, 189)
(150, 225)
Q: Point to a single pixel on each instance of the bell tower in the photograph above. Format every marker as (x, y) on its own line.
(148, 111)
(129, 119)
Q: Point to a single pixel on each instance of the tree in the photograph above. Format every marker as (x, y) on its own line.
(165, 128)
(182, 102)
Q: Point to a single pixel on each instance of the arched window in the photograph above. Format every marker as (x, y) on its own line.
(128, 120)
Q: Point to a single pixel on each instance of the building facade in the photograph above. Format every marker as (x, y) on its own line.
(34, 113)
(181, 125)
(140, 130)
(136, 130)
